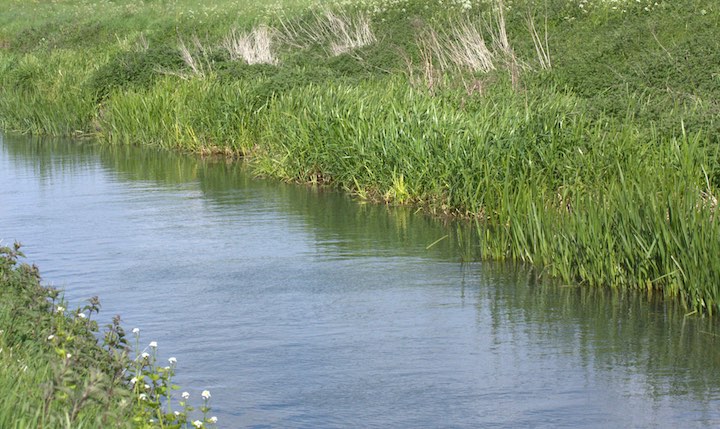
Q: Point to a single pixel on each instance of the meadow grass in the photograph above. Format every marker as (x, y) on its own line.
(581, 136)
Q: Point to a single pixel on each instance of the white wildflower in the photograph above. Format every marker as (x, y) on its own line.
(185, 395)
(197, 423)
(60, 309)
(81, 315)
(136, 331)
(172, 361)
(50, 337)
(142, 397)
(213, 419)
(145, 355)
(153, 344)
(205, 394)
(133, 380)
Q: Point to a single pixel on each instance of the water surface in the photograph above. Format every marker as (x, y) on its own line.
(300, 308)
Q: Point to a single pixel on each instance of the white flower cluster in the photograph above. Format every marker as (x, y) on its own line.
(463, 4)
(618, 5)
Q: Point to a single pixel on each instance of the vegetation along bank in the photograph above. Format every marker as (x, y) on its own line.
(582, 135)
(58, 369)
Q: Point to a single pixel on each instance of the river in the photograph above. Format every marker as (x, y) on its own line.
(301, 308)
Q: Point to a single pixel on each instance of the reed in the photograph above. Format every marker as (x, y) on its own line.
(595, 203)
(189, 115)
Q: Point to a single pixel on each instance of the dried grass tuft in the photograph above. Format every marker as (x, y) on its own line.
(254, 47)
(337, 32)
(198, 68)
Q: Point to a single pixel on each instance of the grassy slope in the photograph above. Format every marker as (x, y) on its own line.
(602, 170)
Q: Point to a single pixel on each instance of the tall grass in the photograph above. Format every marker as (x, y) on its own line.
(45, 93)
(196, 115)
(601, 203)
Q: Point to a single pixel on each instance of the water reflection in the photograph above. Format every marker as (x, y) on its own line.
(299, 307)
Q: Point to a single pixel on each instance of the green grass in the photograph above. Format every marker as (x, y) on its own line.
(600, 170)
(58, 370)
(41, 386)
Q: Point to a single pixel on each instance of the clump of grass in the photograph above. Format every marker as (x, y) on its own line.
(199, 66)
(45, 93)
(338, 32)
(58, 370)
(186, 115)
(470, 45)
(254, 47)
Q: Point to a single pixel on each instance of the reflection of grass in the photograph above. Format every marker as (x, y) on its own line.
(601, 321)
(585, 145)
(55, 372)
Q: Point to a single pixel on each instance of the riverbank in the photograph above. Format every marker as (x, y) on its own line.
(59, 370)
(581, 135)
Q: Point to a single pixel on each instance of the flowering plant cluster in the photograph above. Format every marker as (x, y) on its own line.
(152, 389)
(70, 373)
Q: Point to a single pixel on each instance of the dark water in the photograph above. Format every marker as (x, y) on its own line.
(301, 308)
